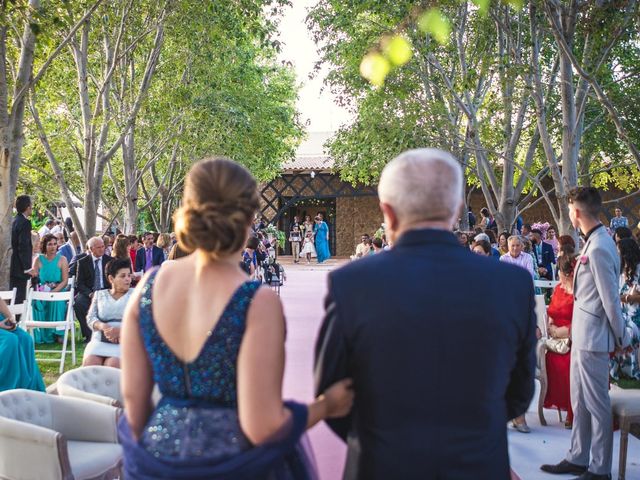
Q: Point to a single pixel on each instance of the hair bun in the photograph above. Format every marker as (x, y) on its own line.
(219, 202)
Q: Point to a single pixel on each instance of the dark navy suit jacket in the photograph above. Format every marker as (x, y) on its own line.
(440, 343)
(157, 257)
(546, 259)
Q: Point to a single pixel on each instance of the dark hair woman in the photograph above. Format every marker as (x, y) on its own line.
(626, 363)
(105, 315)
(51, 269)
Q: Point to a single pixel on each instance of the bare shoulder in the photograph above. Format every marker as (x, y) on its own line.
(265, 298)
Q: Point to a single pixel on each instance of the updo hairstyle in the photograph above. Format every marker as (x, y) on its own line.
(219, 202)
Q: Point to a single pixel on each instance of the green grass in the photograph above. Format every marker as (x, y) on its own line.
(628, 383)
(50, 370)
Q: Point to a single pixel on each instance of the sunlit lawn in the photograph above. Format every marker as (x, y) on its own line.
(50, 370)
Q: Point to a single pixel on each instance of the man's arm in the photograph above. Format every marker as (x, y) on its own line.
(605, 276)
(521, 384)
(331, 359)
(139, 261)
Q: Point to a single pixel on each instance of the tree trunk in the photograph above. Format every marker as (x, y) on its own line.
(130, 183)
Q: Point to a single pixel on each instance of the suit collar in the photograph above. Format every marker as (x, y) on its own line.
(425, 236)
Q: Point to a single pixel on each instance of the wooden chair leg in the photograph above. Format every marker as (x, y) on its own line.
(624, 443)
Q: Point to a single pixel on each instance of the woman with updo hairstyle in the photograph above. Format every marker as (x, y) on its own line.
(213, 342)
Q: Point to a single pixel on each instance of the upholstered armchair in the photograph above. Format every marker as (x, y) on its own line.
(97, 383)
(57, 438)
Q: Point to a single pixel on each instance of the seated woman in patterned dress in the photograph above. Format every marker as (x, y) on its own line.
(560, 312)
(105, 315)
(213, 341)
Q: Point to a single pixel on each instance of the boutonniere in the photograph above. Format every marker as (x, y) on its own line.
(584, 259)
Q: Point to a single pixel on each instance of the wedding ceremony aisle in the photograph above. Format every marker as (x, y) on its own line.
(303, 297)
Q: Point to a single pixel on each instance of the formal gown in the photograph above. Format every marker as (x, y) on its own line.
(194, 431)
(105, 308)
(49, 274)
(322, 243)
(561, 311)
(18, 368)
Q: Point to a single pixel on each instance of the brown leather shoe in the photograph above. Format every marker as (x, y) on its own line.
(564, 467)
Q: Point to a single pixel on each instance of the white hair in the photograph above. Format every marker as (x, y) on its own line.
(93, 241)
(421, 185)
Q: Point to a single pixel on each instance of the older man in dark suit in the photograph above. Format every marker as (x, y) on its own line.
(439, 366)
(21, 248)
(90, 276)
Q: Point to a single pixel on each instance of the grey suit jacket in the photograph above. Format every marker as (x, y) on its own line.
(597, 324)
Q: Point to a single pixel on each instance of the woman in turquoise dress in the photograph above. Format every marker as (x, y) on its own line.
(18, 368)
(321, 230)
(52, 270)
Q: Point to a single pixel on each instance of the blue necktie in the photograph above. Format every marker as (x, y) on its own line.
(97, 284)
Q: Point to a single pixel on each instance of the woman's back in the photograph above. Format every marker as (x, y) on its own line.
(203, 319)
(192, 328)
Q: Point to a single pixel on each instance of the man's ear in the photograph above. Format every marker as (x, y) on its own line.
(390, 217)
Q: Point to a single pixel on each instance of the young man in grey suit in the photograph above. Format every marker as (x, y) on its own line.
(596, 330)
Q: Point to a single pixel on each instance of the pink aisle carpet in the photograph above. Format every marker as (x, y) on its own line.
(303, 297)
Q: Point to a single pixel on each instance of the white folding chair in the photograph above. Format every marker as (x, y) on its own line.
(67, 324)
(546, 284)
(9, 296)
(71, 282)
(541, 315)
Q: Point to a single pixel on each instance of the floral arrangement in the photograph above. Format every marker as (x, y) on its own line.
(543, 227)
(273, 232)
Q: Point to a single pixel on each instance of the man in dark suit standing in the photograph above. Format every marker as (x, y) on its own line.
(90, 276)
(148, 255)
(545, 257)
(21, 248)
(437, 372)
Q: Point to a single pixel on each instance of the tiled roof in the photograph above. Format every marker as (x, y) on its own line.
(309, 162)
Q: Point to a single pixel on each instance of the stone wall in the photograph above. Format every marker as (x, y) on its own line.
(355, 216)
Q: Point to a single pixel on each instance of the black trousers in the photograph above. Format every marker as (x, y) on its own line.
(20, 284)
(81, 305)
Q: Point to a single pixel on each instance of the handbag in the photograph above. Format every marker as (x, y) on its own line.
(558, 345)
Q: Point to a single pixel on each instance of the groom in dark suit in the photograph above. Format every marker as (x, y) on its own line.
(21, 248)
(438, 369)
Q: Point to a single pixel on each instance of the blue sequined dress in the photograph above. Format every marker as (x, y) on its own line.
(194, 432)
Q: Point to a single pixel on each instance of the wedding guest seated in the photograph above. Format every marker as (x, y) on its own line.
(18, 367)
(503, 245)
(91, 277)
(362, 249)
(482, 247)
(378, 245)
(51, 271)
(558, 356)
(552, 239)
(105, 315)
(463, 239)
(622, 232)
(517, 255)
(71, 248)
(625, 363)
